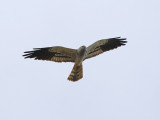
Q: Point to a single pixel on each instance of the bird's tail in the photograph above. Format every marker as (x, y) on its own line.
(76, 74)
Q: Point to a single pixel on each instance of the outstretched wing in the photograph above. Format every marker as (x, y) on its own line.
(57, 54)
(103, 46)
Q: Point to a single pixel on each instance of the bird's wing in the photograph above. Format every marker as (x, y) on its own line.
(103, 46)
(57, 54)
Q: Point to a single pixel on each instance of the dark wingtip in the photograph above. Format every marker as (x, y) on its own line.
(122, 41)
(39, 54)
(28, 54)
(113, 43)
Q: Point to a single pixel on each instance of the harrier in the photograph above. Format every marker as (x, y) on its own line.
(77, 56)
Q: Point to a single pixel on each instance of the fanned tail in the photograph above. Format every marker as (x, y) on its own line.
(76, 74)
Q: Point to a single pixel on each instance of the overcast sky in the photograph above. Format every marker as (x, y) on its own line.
(122, 84)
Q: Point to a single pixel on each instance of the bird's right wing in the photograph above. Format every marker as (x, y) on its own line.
(103, 46)
(57, 54)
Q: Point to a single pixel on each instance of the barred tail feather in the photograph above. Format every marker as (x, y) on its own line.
(76, 74)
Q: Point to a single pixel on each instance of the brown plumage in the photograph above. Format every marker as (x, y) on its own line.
(76, 73)
(62, 54)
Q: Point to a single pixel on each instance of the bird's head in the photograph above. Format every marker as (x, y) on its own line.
(82, 50)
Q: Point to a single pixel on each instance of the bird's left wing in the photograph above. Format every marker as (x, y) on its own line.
(103, 46)
(57, 54)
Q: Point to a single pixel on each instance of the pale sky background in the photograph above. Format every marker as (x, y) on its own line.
(122, 84)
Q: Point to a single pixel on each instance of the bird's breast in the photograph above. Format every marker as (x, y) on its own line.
(79, 57)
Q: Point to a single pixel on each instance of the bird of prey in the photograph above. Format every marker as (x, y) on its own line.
(77, 56)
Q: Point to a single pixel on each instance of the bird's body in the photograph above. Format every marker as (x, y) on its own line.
(80, 54)
(77, 71)
(62, 54)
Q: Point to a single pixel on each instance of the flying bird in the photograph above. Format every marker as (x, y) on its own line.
(77, 56)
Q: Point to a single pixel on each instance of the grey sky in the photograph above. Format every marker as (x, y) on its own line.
(122, 84)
